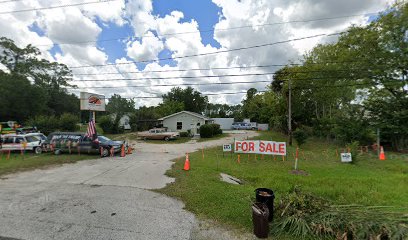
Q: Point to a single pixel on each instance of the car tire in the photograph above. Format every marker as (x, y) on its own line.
(166, 139)
(38, 150)
(105, 152)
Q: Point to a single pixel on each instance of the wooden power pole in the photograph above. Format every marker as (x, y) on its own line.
(290, 113)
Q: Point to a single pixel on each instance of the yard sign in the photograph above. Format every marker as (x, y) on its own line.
(260, 147)
(226, 148)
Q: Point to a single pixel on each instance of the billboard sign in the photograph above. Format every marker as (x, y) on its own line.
(92, 101)
(260, 147)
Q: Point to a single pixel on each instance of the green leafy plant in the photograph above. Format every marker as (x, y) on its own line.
(300, 136)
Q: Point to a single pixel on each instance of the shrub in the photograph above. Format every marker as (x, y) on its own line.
(44, 124)
(105, 122)
(206, 131)
(300, 136)
(210, 130)
(68, 122)
(184, 134)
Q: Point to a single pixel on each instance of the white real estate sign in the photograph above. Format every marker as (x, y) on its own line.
(260, 147)
(226, 148)
(346, 157)
(92, 101)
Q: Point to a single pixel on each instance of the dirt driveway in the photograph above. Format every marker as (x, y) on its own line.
(100, 199)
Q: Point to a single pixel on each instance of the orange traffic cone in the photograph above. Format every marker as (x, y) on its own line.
(129, 150)
(187, 163)
(382, 154)
(122, 151)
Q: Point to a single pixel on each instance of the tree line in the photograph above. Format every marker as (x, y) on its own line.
(343, 91)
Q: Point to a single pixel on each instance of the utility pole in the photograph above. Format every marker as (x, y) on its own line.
(290, 113)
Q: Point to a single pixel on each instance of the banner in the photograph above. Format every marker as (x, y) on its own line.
(92, 102)
(260, 147)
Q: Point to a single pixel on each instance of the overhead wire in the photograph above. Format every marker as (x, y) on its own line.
(212, 30)
(208, 76)
(210, 53)
(54, 7)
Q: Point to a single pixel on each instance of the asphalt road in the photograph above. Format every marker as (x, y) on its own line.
(105, 198)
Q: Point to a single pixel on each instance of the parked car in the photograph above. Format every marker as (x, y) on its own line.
(63, 142)
(16, 142)
(159, 133)
(242, 126)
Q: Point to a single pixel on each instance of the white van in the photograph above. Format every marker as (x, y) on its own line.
(30, 142)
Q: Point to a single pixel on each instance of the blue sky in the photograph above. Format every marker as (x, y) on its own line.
(204, 12)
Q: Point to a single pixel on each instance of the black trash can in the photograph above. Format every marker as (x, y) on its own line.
(265, 195)
(260, 215)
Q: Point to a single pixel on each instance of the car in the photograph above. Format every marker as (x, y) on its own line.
(159, 133)
(17, 142)
(242, 126)
(68, 142)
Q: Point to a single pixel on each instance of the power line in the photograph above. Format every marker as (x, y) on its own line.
(207, 76)
(7, 1)
(54, 7)
(177, 77)
(174, 85)
(214, 30)
(203, 94)
(209, 53)
(208, 69)
(231, 83)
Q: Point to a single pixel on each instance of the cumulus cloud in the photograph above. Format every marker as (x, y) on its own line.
(146, 49)
(153, 33)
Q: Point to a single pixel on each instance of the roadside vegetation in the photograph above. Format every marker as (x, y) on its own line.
(362, 193)
(30, 161)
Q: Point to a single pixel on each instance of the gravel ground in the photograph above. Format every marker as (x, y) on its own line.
(105, 198)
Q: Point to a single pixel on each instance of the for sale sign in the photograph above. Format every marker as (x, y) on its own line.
(260, 147)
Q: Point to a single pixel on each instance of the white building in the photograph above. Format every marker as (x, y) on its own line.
(184, 121)
(225, 123)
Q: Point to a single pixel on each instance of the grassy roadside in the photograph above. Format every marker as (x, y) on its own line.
(214, 138)
(30, 161)
(368, 182)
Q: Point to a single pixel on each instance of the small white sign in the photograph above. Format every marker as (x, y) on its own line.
(226, 148)
(346, 157)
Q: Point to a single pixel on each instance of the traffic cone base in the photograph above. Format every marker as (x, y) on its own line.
(122, 151)
(382, 154)
(186, 163)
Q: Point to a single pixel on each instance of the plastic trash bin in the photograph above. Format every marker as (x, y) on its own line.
(260, 215)
(265, 195)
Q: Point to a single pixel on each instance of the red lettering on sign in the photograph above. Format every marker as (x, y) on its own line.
(282, 148)
(269, 147)
(274, 148)
(261, 147)
(237, 146)
(244, 146)
(251, 146)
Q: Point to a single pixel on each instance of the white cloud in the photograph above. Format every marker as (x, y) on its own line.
(148, 48)
(78, 24)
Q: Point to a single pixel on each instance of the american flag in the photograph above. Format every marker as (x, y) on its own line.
(91, 131)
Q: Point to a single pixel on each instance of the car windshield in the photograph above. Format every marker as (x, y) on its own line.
(103, 139)
(33, 138)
